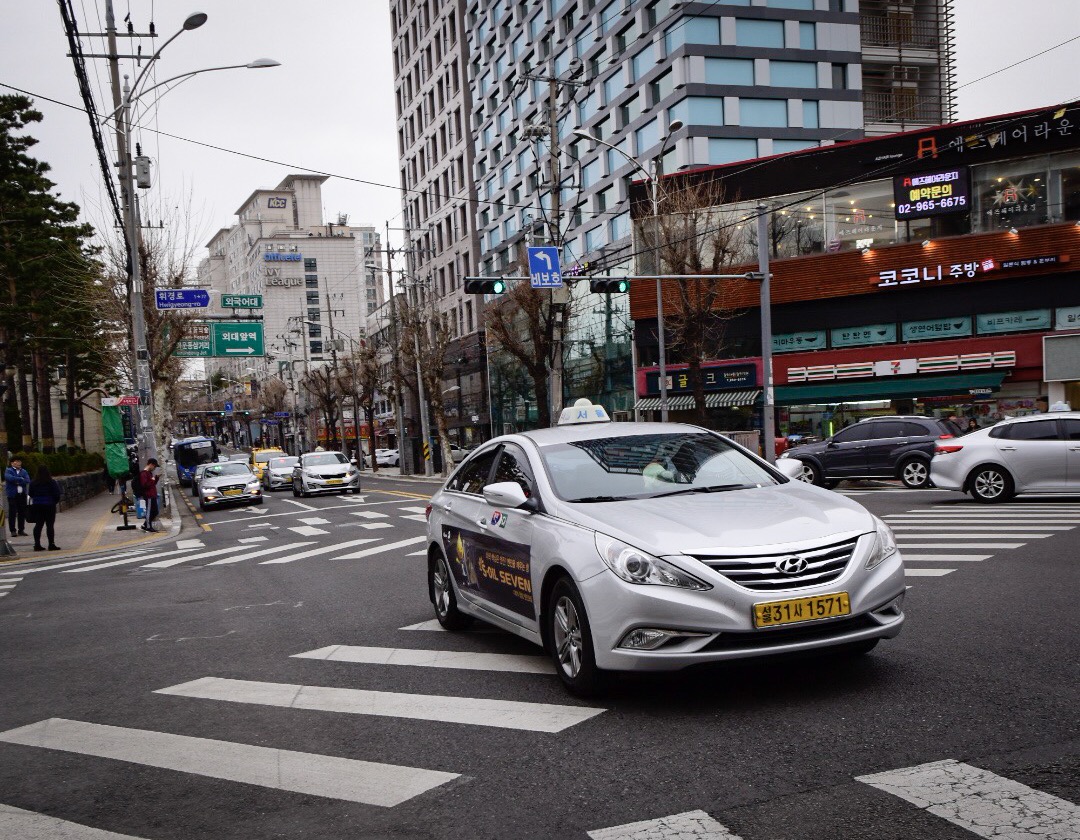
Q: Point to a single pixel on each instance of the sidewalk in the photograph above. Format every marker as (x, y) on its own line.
(395, 472)
(89, 528)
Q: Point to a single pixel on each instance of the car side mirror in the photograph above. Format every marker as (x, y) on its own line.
(790, 467)
(831, 443)
(506, 494)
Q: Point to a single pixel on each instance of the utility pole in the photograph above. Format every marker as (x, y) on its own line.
(418, 323)
(399, 415)
(768, 413)
(333, 356)
(560, 297)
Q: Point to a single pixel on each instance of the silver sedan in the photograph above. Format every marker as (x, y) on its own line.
(653, 547)
(1035, 454)
(278, 472)
(230, 483)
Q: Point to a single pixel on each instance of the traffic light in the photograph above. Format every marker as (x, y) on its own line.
(578, 270)
(484, 286)
(608, 286)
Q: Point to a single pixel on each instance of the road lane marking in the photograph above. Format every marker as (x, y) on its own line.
(692, 825)
(982, 802)
(372, 526)
(315, 520)
(476, 711)
(225, 561)
(253, 539)
(308, 530)
(17, 823)
(368, 514)
(317, 551)
(945, 558)
(331, 777)
(422, 553)
(52, 567)
(460, 660)
(433, 625)
(416, 517)
(414, 509)
(299, 504)
(127, 560)
(904, 546)
(190, 544)
(367, 552)
(176, 561)
(927, 572)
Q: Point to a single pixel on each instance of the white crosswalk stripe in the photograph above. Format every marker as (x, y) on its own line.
(250, 555)
(308, 530)
(367, 552)
(502, 714)
(693, 825)
(315, 552)
(253, 539)
(27, 825)
(127, 561)
(917, 557)
(413, 509)
(927, 572)
(981, 802)
(369, 514)
(374, 526)
(54, 566)
(317, 775)
(904, 546)
(462, 660)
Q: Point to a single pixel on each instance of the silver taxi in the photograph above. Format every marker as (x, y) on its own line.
(653, 547)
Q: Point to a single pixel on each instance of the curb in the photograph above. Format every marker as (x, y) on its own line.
(423, 479)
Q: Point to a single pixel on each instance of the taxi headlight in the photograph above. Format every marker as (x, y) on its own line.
(635, 566)
(884, 544)
(253, 486)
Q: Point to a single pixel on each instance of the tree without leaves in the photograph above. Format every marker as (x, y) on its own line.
(361, 379)
(321, 382)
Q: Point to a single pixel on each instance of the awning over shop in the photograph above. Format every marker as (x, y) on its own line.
(886, 388)
(677, 403)
(730, 399)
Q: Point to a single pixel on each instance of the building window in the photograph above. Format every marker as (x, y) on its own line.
(311, 264)
(839, 76)
(729, 71)
(314, 331)
(314, 314)
(647, 136)
(613, 86)
(610, 15)
(727, 149)
(642, 63)
(699, 30)
(807, 36)
(759, 33)
(810, 114)
(315, 346)
(796, 74)
(620, 227)
(698, 110)
(594, 239)
(311, 281)
(768, 113)
(313, 298)
(662, 87)
(806, 5)
(780, 147)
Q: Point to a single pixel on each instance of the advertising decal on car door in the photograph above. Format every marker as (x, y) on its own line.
(495, 569)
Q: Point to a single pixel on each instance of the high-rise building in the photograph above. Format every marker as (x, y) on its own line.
(739, 78)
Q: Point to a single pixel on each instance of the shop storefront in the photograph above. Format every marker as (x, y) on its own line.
(731, 390)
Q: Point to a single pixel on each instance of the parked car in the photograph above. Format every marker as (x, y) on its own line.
(878, 447)
(279, 472)
(324, 472)
(457, 453)
(386, 457)
(655, 547)
(196, 477)
(230, 483)
(1039, 453)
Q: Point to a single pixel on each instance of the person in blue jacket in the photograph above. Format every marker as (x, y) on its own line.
(44, 495)
(16, 480)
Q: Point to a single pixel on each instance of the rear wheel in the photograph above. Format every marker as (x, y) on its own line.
(570, 641)
(915, 473)
(990, 484)
(442, 592)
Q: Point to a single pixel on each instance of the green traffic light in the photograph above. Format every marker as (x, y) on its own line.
(498, 287)
(623, 286)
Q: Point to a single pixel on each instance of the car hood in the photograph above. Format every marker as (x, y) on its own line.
(328, 469)
(762, 518)
(807, 449)
(281, 471)
(225, 480)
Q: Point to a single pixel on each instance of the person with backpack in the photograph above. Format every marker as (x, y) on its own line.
(44, 493)
(16, 480)
(146, 483)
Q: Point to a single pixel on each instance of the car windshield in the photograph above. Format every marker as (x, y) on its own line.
(215, 470)
(194, 452)
(263, 457)
(239, 457)
(283, 463)
(324, 459)
(649, 466)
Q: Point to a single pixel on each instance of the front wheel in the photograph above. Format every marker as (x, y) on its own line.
(810, 474)
(990, 484)
(442, 593)
(915, 473)
(570, 641)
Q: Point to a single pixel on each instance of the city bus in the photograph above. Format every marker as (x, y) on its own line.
(189, 453)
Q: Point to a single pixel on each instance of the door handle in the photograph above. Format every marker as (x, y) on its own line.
(1007, 448)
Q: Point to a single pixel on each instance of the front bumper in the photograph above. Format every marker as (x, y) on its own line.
(723, 615)
(218, 499)
(311, 484)
(274, 482)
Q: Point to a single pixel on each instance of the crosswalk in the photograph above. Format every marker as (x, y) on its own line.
(967, 533)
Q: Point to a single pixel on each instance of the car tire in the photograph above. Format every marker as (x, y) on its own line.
(989, 484)
(202, 505)
(915, 473)
(442, 595)
(194, 491)
(811, 474)
(259, 501)
(570, 641)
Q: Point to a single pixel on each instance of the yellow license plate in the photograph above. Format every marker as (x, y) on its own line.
(792, 611)
(334, 480)
(232, 492)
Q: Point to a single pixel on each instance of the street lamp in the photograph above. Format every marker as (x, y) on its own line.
(653, 178)
(146, 436)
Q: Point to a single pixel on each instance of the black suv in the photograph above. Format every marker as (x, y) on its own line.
(879, 447)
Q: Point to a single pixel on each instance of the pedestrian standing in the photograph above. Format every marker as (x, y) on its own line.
(148, 481)
(110, 480)
(16, 480)
(44, 493)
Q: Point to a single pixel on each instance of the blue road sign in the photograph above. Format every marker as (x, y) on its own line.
(281, 414)
(228, 408)
(544, 269)
(181, 298)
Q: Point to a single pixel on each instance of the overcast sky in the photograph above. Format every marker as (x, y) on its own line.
(330, 106)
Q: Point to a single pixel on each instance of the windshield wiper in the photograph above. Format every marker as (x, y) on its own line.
(599, 499)
(711, 488)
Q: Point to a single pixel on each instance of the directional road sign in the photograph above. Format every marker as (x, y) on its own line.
(241, 301)
(228, 408)
(281, 414)
(181, 298)
(193, 348)
(544, 269)
(238, 338)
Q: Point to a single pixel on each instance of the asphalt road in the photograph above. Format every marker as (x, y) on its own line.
(160, 695)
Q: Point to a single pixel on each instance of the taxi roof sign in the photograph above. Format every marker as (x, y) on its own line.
(583, 411)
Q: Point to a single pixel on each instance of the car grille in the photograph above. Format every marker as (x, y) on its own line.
(335, 475)
(225, 487)
(791, 635)
(760, 574)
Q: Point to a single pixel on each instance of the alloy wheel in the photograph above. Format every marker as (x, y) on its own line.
(807, 474)
(567, 631)
(441, 580)
(915, 474)
(989, 484)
